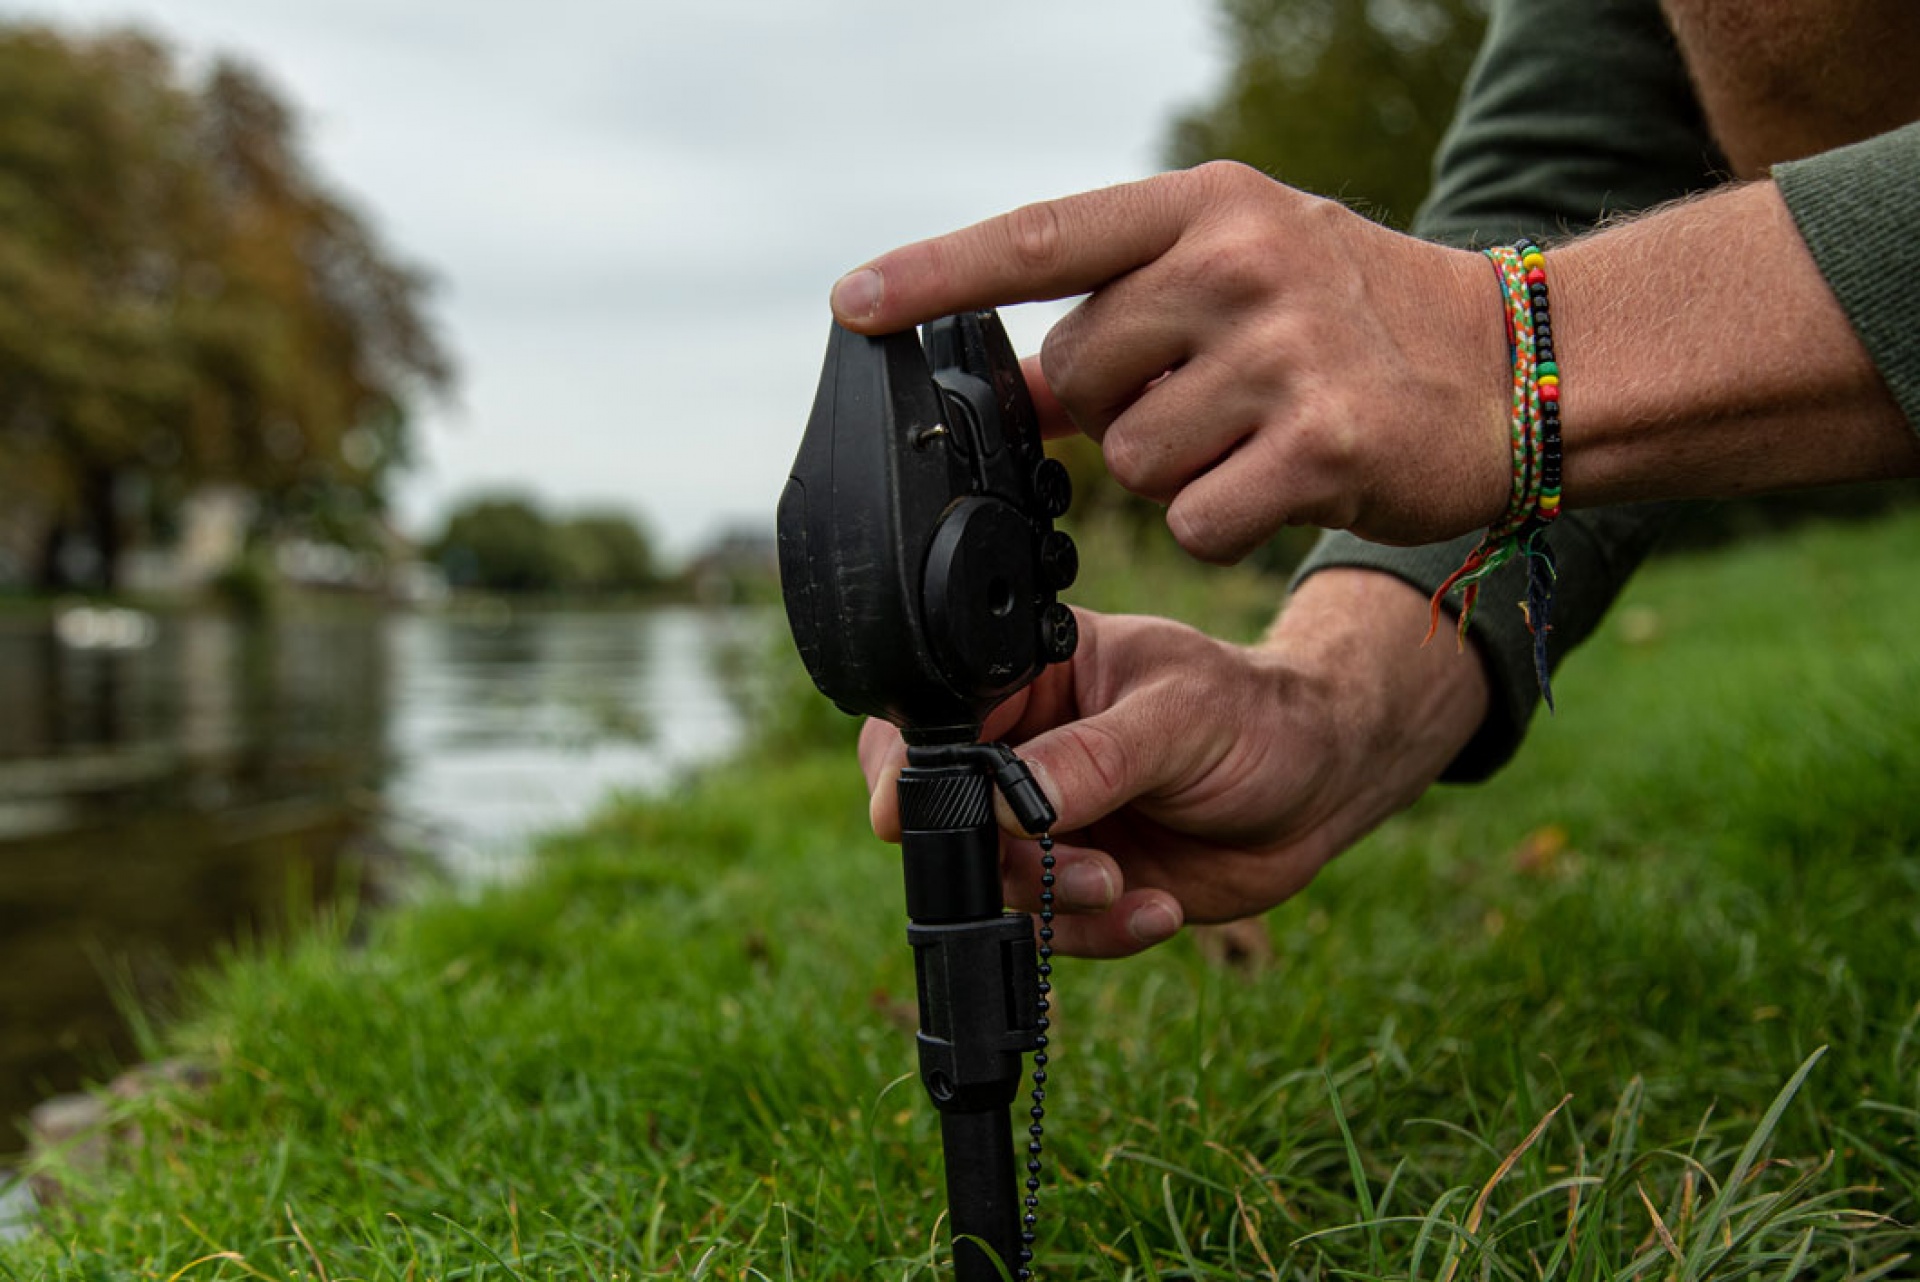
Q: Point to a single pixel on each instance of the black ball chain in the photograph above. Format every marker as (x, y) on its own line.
(1038, 1112)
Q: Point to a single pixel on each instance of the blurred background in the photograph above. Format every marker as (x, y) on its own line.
(394, 395)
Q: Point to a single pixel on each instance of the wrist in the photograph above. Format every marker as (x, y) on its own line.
(1454, 380)
(1402, 710)
(1484, 363)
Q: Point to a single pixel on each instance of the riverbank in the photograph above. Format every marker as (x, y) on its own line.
(158, 801)
(679, 1046)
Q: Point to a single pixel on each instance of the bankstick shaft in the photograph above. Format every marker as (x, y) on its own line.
(977, 976)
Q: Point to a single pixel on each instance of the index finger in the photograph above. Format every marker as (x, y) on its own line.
(1053, 249)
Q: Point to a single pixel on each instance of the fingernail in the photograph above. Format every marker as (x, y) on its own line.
(1003, 813)
(856, 295)
(1085, 886)
(1153, 923)
(1043, 777)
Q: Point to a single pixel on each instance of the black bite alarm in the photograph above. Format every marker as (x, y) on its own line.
(918, 559)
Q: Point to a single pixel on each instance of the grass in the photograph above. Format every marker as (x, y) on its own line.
(1645, 1007)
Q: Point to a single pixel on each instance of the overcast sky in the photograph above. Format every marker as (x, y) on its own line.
(635, 210)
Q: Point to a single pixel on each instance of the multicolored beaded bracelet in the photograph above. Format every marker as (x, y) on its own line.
(1534, 433)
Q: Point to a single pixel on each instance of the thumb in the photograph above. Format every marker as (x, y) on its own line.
(1092, 767)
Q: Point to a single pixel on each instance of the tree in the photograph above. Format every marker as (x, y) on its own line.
(603, 552)
(1347, 98)
(183, 301)
(500, 543)
(505, 543)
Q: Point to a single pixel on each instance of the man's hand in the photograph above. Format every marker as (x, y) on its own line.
(1255, 357)
(1199, 781)
(1250, 355)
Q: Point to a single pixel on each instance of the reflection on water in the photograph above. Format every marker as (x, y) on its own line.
(154, 801)
(499, 729)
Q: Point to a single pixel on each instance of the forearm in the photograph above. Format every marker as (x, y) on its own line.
(1703, 355)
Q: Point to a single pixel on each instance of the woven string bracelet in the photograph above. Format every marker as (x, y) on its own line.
(1534, 434)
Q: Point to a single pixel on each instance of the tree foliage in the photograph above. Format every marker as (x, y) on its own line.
(505, 543)
(1347, 98)
(603, 552)
(184, 300)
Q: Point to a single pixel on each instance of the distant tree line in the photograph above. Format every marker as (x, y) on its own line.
(184, 302)
(506, 543)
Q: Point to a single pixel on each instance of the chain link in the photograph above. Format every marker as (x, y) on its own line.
(1038, 1112)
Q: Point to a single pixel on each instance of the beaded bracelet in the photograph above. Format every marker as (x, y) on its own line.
(1534, 434)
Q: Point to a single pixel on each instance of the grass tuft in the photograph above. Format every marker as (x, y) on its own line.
(1644, 1008)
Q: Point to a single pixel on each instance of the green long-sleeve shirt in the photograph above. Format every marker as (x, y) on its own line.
(1576, 110)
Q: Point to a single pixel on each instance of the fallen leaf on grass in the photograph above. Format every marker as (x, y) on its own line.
(1541, 850)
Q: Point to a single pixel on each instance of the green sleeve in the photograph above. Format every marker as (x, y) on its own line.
(1574, 110)
(1858, 209)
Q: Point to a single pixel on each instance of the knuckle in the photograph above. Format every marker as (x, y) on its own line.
(1131, 463)
(1235, 193)
(1322, 452)
(1035, 237)
(1239, 263)
(1101, 764)
(1227, 178)
(1206, 532)
(1196, 530)
(1239, 251)
(1329, 439)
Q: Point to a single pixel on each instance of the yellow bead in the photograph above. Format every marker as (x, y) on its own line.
(1549, 378)
(1534, 259)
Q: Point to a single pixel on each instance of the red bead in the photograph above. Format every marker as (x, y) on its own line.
(1549, 392)
(1538, 276)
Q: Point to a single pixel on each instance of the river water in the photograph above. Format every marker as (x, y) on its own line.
(186, 787)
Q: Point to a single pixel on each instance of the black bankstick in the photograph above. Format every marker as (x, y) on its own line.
(979, 986)
(921, 571)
